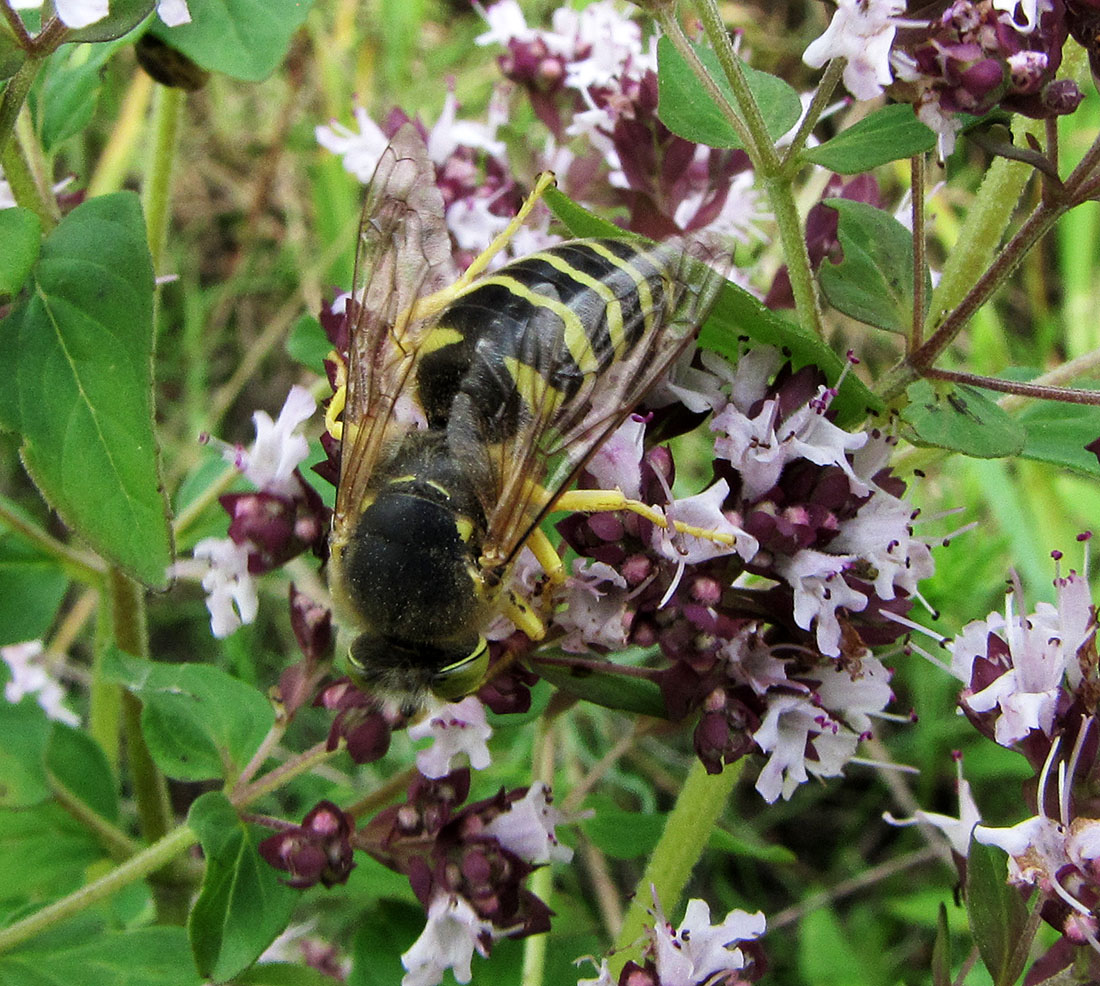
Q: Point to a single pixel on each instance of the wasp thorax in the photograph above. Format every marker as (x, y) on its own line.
(408, 570)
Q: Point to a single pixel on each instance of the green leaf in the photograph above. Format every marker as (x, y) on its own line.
(874, 281)
(66, 98)
(242, 905)
(282, 974)
(142, 957)
(26, 731)
(21, 234)
(622, 834)
(997, 913)
(941, 950)
(888, 134)
(731, 845)
(611, 690)
(687, 109)
(198, 721)
(31, 589)
(77, 358)
(124, 16)
(46, 853)
(244, 39)
(1058, 433)
(961, 419)
(307, 343)
(78, 764)
(579, 220)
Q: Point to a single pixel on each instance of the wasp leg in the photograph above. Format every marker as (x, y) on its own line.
(339, 398)
(433, 304)
(601, 501)
(519, 611)
(547, 556)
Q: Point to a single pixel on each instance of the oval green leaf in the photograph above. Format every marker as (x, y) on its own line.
(243, 905)
(198, 721)
(961, 419)
(1057, 433)
(124, 16)
(239, 38)
(997, 913)
(874, 281)
(78, 361)
(687, 109)
(888, 134)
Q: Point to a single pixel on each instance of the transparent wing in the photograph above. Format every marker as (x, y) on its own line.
(523, 474)
(403, 252)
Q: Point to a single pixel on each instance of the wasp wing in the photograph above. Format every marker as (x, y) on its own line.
(569, 402)
(403, 252)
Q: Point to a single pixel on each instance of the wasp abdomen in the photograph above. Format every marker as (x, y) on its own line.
(535, 329)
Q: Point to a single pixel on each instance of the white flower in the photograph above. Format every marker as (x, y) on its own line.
(698, 952)
(702, 511)
(591, 615)
(449, 939)
(819, 591)
(279, 448)
(862, 32)
(789, 726)
(1041, 653)
(506, 23)
(958, 830)
(1030, 10)
(603, 974)
(456, 729)
(30, 678)
(173, 12)
(222, 565)
(527, 828)
(856, 698)
(361, 151)
(760, 446)
(617, 463)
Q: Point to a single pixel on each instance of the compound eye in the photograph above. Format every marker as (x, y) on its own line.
(465, 676)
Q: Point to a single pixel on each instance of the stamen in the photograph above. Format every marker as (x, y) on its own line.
(913, 625)
(1044, 775)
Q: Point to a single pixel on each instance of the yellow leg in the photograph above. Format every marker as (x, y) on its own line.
(522, 615)
(339, 398)
(433, 304)
(547, 556)
(600, 501)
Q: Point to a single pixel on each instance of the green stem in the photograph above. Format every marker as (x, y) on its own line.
(150, 788)
(77, 564)
(796, 253)
(688, 828)
(274, 779)
(138, 867)
(15, 95)
(117, 843)
(167, 111)
(760, 147)
(822, 94)
(541, 883)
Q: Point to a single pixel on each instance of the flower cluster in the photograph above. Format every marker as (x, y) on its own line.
(466, 864)
(695, 954)
(592, 80)
(960, 57)
(1031, 683)
(781, 577)
(283, 519)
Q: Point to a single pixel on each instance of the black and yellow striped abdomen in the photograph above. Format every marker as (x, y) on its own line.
(535, 329)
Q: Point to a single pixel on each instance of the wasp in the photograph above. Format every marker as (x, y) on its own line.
(467, 408)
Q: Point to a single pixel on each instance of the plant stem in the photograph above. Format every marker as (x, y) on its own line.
(77, 564)
(150, 788)
(157, 199)
(542, 880)
(15, 95)
(822, 94)
(920, 259)
(114, 162)
(700, 803)
(146, 862)
(274, 779)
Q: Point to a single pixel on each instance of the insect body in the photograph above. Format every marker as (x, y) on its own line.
(468, 412)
